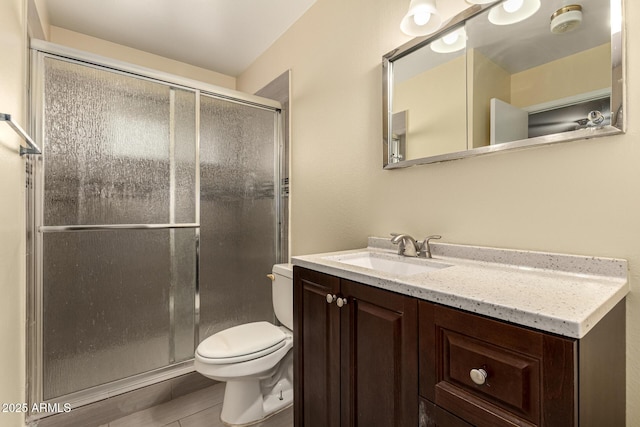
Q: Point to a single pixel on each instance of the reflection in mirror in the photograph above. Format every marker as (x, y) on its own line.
(398, 143)
(479, 86)
(430, 86)
(523, 88)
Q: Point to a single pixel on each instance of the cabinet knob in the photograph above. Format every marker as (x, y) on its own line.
(330, 298)
(340, 302)
(478, 376)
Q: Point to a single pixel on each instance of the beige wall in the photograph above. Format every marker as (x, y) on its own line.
(444, 129)
(123, 53)
(563, 78)
(13, 44)
(581, 197)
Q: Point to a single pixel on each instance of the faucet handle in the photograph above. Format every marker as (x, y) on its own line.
(425, 249)
(396, 239)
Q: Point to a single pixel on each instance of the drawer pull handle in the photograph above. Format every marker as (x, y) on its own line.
(330, 298)
(341, 302)
(478, 376)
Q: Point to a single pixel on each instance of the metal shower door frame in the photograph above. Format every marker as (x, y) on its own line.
(34, 208)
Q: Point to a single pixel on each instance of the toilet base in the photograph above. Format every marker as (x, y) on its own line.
(244, 403)
(256, 388)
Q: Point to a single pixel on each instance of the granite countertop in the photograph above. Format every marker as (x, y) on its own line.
(557, 293)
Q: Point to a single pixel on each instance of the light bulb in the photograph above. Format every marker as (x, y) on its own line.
(450, 39)
(512, 6)
(421, 17)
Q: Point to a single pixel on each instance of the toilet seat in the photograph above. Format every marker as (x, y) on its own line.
(241, 343)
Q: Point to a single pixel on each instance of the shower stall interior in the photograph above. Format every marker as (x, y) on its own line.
(154, 217)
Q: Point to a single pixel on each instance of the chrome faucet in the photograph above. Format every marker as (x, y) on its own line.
(425, 249)
(407, 245)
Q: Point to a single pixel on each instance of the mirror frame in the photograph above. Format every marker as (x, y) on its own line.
(618, 96)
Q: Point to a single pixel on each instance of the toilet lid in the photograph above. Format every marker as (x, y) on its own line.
(242, 340)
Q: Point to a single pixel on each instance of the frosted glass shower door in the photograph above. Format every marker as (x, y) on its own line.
(117, 226)
(238, 213)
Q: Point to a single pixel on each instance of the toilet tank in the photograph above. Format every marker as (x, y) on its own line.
(282, 294)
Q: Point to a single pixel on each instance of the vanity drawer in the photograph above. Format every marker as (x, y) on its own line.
(508, 379)
(517, 371)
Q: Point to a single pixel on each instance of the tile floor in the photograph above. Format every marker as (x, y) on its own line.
(198, 409)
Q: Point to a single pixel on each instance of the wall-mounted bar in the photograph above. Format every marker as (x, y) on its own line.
(33, 147)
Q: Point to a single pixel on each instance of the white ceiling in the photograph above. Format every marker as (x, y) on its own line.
(221, 35)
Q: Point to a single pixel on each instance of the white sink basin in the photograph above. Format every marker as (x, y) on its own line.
(388, 263)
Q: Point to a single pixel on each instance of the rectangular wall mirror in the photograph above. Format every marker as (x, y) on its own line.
(481, 84)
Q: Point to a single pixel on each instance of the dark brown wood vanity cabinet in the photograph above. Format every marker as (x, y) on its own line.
(368, 357)
(523, 377)
(355, 354)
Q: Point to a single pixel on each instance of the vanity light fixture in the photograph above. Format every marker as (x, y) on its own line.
(566, 19)
(512, 11)
(422, 18)
(451, 42)
(480, 1)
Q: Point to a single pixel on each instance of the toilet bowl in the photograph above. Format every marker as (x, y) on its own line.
(254, 359)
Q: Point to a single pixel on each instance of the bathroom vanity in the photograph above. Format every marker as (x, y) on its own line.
(475, 337)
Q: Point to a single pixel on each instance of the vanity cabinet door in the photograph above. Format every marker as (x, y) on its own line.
(494, 374)
(356, 357)
(379, 345)
(316, 337)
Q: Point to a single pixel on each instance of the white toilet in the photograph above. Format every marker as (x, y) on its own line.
(255, 359)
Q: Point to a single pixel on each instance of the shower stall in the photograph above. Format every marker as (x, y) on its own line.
(155, 213)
